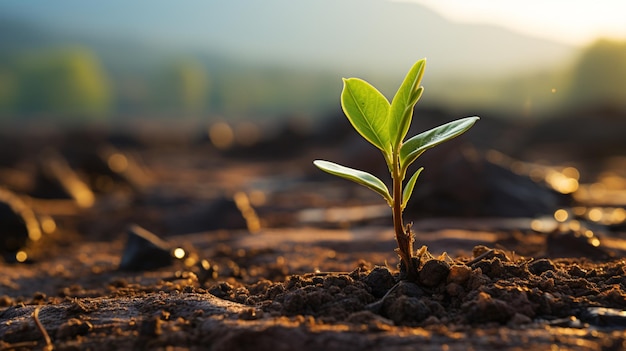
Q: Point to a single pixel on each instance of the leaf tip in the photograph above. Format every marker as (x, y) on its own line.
(474, 119)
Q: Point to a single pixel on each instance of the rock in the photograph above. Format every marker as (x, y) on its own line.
(605, 317)
(579, 243)
(144, 251)
(204, 215)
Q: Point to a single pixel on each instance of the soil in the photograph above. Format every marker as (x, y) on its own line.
(184, 245)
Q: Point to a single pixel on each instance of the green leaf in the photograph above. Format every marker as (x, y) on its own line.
(360, 177)
(401, 111)
(415, 146)
(367, 110)
(408, 188)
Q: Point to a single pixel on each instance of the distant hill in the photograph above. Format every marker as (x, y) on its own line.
(349, 36)
(273, 57)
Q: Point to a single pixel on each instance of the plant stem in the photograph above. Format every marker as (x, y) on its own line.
(404, 236)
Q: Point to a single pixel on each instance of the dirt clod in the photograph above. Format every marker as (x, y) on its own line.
(434, 272)
(539, 266)
(407, 310)
(459, 274)
(380, 280)
(484, 308)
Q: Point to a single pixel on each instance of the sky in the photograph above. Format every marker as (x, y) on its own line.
(576, 22)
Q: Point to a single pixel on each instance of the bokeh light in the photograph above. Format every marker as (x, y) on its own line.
(221, 135)
(561, 215)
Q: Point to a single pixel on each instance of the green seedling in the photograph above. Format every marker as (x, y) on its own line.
(385, 125)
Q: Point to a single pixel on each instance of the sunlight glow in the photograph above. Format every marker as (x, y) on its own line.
(564, 181)
(576, 22)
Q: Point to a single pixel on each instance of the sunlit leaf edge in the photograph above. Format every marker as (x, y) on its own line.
(401, 111)
(416, 145)
(360, 177)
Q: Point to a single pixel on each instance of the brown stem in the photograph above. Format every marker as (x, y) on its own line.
(404, 236)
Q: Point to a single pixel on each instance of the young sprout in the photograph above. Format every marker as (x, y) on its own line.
(385, 126)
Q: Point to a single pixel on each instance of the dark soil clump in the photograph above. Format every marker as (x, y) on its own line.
(490, 291)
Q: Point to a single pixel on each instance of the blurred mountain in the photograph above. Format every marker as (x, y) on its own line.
(267, 57)
(348, 36)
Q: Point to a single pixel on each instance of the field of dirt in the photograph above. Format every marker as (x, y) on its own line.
(173, 237)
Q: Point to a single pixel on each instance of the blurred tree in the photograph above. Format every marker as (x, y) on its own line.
(183, 88)
(67, 83)
(599, 77)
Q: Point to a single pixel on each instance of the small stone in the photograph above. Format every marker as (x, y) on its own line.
(605, 317)
(144, 251)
